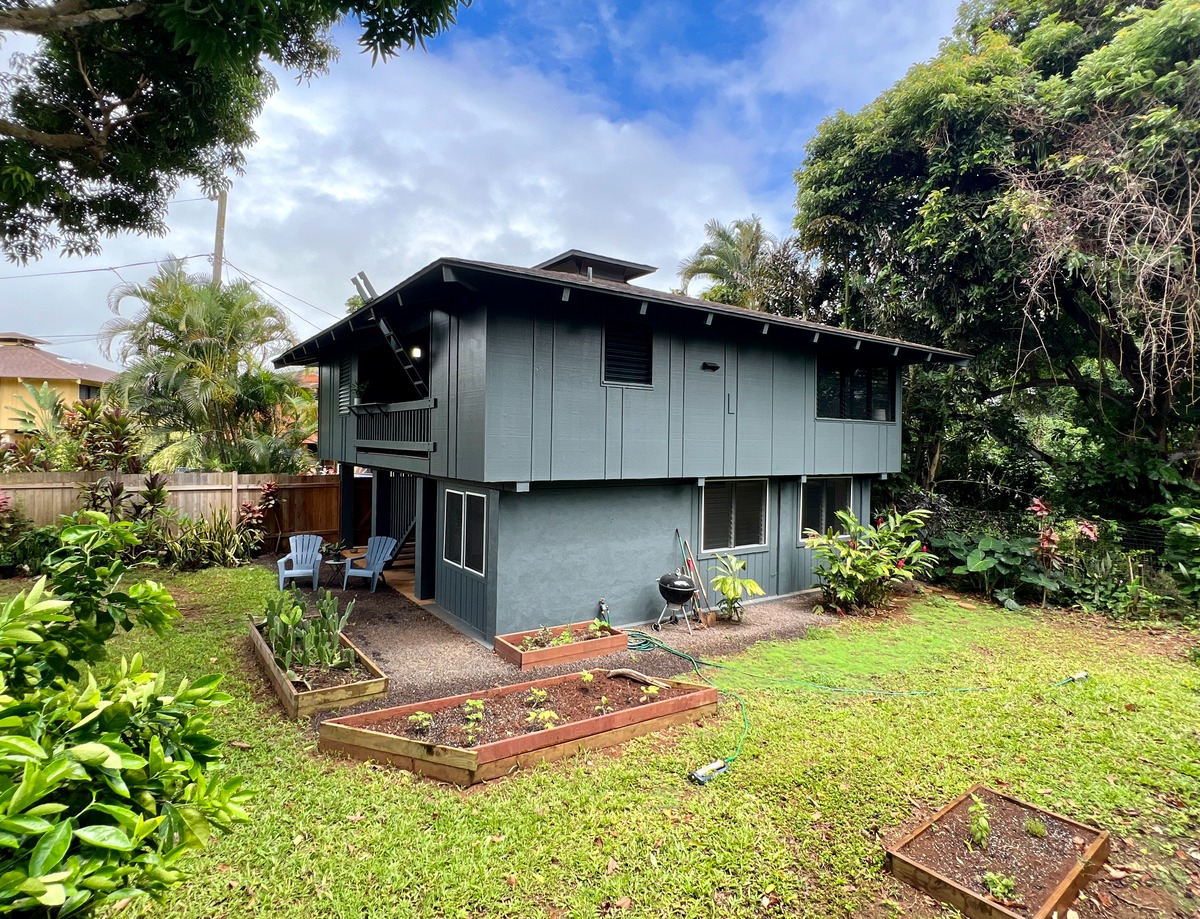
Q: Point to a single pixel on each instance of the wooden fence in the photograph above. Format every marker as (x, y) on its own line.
(307, 503)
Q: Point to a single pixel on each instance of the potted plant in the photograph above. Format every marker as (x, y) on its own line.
(730, 584)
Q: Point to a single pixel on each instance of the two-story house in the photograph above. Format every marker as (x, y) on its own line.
(542, 432)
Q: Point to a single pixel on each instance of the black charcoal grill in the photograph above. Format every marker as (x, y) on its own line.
(677, 590)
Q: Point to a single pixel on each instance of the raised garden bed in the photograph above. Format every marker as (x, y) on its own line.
(367, 681)
(505, 740)
(586, 645)
(1048, 858)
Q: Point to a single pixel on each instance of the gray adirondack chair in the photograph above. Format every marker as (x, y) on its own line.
(380, 550)
(305, 559)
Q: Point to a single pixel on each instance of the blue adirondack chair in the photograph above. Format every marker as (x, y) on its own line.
(305, 559)
(380, 550)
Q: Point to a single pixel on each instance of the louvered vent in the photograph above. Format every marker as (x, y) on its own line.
(628, 352)
(344, 384)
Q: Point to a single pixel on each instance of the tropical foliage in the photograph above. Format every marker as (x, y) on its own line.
(749, 267)
(1028, 196)
(107, 780)
(195, 356)
(122, 101)
(90, 435)
(860, 565)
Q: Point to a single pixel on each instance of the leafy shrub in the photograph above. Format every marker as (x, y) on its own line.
(13, 524)
(990, 565)
(1080, 561)
(86, 570)
(105, 783)
(297, 641)
(147, 509)
(213, 542)
(1182, 527)
(730, 584)
(31, 548)
(860, 567)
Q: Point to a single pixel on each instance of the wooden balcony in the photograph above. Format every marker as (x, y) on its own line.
(394, 427)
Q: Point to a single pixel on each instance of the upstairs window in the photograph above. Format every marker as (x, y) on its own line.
(628, 349)
(855, 392)
(735, 514)
(820, 500)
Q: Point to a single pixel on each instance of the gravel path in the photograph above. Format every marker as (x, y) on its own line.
(427, 659)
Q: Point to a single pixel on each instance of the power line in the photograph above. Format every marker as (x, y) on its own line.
(112, 268)
(284, 292)
(283, 306)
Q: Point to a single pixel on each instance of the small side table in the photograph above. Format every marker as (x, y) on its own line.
(338, 567)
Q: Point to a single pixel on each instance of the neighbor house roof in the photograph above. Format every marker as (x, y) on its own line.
(571, 277)
(31, 363)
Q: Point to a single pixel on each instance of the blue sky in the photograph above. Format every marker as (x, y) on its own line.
(530, 128)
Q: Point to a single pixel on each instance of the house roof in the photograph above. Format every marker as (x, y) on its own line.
(31, 363)
(576, 261)
(449, 270)
(20, 338)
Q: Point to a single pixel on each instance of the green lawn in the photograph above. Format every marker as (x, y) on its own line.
(798, 817)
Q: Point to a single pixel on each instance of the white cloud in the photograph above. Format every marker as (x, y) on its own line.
(484, 151)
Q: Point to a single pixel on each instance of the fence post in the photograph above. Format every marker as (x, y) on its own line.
(233, 498)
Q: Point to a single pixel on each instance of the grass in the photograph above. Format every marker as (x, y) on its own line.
(795, 824)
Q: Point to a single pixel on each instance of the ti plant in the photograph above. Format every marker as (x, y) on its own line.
(980, 828)
(297, 641)
(732, 586)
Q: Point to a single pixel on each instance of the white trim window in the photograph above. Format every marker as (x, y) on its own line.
(464, 540)
(820, 500)
(733, 514)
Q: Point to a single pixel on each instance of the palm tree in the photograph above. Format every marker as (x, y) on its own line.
(195, 356)
(731, 257)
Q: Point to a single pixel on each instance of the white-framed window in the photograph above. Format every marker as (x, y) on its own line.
(734, 514)
(820, 500)
(628, 353)
(464, 542)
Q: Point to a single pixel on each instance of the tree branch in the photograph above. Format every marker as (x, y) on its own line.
(42, 139)
(66, 16)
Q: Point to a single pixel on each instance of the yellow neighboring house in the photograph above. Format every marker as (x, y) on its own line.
(22, 361)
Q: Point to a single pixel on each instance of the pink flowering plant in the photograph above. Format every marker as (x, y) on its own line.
(861, 565)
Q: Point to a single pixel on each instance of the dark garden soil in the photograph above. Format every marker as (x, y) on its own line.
(1129, 886)
(1036, 864)
(508, 716)
(325, 678)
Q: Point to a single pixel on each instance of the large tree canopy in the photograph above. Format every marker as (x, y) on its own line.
(1031, 195)
(123, 100)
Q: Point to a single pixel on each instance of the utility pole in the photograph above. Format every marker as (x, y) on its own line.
(219, 244)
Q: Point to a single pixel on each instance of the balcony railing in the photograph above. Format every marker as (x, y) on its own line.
(395, 426)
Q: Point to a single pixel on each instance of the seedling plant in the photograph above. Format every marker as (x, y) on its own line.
(980, 826)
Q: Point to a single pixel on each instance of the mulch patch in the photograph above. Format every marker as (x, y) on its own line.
(508, 716)
(1037, 864)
